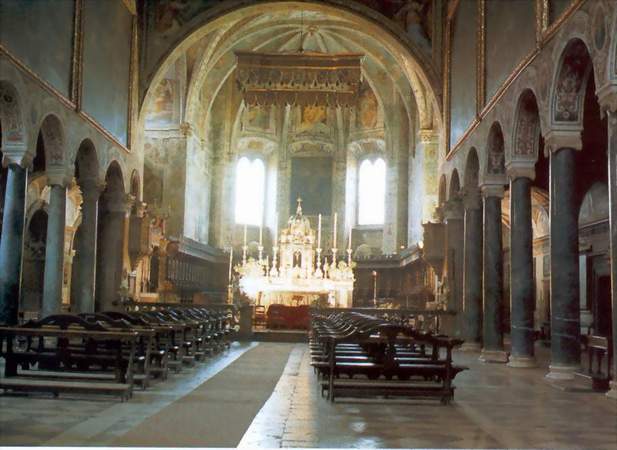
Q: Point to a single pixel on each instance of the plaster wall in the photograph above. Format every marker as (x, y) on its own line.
(40, 33)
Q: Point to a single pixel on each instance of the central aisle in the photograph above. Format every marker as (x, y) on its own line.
(218, 412)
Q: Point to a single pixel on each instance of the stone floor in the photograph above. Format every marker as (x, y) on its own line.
(494, 407)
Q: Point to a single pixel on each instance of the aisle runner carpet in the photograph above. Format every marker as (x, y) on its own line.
(217, 413)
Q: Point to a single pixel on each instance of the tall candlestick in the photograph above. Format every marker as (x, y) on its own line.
(334, 232)
(349, 245)
(260, 234)
(319, 232)
(276, 228)
(231, 258)
(244, 244)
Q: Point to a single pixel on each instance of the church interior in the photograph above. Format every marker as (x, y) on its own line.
(308, 223)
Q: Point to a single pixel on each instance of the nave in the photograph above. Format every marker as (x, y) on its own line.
(258, 395)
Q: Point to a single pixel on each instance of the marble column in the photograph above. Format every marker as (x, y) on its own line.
(11, 242)
(113, 210)
(608, 100)
(472, 271)
(521, 267)
(83, 285)
(54, 250)
(453, 219)
(565, 307)
(492, 276)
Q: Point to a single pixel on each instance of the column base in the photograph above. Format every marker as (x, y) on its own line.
(522, 362)
(471, 347)
(493, 356)
(562, 372)
(612, 394)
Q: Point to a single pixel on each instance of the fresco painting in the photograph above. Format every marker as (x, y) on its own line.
(165, 111)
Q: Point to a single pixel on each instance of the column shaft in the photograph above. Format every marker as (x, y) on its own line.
(565, 308)
(11, 243)
(109, 259)
(54, 251)
(472, 300)
(612, 192)
(83, 285)
(521, 274)
(454, 263)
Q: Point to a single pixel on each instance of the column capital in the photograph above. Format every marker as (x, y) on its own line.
(521, 169)
(91, 188)
(607, 97)
(492, 190)
(118, 202)
(555, 140)
(453, 209)
(16, 155)
(140, 208)
(58, 176)
(428, 136)
(472, 199)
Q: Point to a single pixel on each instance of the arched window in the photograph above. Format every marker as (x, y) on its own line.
(372, 192)
(250, 191)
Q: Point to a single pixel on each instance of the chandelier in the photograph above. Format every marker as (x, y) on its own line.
(299, 79)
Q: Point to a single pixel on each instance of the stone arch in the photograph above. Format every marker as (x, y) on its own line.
(135, 184)
(54, 141)
(495, 153)
(526, 128)
(114, 178)
(612, 61)
(472, 170)
(86, 161)
(568, 90)
(443, 182)
(13, 132)
(455, 185)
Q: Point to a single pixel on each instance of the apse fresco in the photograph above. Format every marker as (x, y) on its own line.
(46, 47)
(311, 179)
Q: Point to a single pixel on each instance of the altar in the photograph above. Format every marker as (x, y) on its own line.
(296, 274)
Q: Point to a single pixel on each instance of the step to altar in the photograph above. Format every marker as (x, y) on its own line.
(280, 335)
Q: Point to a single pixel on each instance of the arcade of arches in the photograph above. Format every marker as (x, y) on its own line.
(474, 179)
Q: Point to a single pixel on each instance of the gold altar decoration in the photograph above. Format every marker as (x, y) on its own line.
(299, 79)
(296, 269)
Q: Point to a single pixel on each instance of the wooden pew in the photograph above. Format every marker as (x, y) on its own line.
(598, 348)
(56, 360)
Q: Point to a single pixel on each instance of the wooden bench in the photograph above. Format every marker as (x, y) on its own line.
(30, 352)
(381, 359)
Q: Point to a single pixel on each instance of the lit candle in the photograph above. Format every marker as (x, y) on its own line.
(319, 232)
(231, 258)
(334, 232)
(276, 228)
(244, 235)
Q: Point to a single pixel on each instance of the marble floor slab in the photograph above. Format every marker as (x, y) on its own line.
(495, 407)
